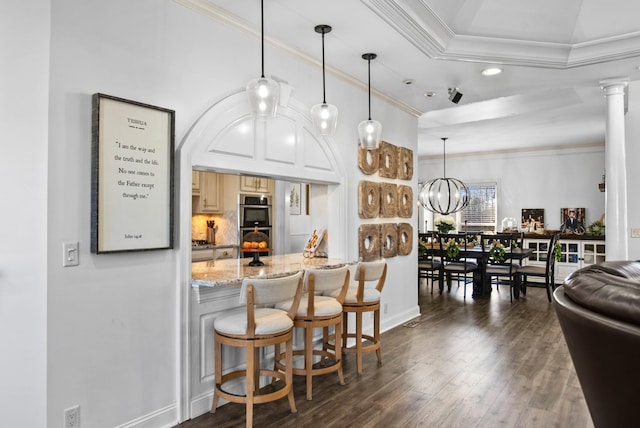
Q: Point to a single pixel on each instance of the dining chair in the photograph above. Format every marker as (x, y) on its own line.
(318, 309)
(455, 260)
(547, 271)
(429, 265)
(363, 295)
(498, 264)
(256, 325)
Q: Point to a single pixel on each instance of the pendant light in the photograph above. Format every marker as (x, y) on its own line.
(325, 116)
(369, 131)
(444, 195)
(263, 93)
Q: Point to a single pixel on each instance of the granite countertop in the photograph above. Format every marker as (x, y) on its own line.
(231, 272)
(213, 246)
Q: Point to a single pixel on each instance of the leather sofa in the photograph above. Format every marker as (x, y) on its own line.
(599, 312)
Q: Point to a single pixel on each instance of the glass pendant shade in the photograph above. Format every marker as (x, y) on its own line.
(324, 115)
(264, 95)
(325, 118)
(369, 131)
(370, 134)
(444, 195)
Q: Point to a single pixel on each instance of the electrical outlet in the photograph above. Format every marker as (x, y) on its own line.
(70, 256)
(635, 232)
(72, 417)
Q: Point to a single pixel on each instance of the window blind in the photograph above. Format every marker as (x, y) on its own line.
(483, 206)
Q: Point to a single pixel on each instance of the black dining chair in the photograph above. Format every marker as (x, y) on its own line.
(547, 271)
(495, 251)
(429, 264)
(455, 261)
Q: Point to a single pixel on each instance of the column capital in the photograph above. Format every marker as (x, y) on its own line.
(614, 85)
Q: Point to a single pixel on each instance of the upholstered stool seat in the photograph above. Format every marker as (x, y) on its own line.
(320, 307)
(364, 297)
(252, 328)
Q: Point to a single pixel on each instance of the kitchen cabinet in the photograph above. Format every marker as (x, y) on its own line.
(195, 182)
(209, 199)
(575, 254)
(254, 184)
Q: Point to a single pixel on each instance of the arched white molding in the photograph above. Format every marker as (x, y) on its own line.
(227, 138)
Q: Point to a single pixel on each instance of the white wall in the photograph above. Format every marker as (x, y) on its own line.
(550, 180)
(632, 136)
(24, 75)
(113, 321)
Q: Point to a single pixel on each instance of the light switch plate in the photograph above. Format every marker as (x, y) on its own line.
(70, 256)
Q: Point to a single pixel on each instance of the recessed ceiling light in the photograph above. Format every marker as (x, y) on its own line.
(491, 71)
(430, 94)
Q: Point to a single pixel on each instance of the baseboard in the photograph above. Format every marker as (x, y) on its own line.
(399, 319)
(163, 418)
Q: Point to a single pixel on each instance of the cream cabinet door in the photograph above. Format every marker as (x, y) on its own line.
(253, 184)
(210, 193)
(195, 182)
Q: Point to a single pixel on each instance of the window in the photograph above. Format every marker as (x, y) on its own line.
(481, 213)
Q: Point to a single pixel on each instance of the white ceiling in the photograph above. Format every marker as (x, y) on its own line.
(553, 55)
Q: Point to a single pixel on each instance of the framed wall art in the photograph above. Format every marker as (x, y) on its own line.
(295, 199)
(132, 193)
(532, 219)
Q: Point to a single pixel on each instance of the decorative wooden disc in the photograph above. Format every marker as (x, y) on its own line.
(388, 199)
(389, 240)
(405, 239)
(368, 199)
(368, 160)
(405, 163)
(405, 201)
(388, 160)
(369, 242)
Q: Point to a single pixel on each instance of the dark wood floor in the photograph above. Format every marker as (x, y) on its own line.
(473, 363)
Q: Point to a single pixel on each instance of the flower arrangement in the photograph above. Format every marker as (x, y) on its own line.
(453, 252)
(497, 251)
(596, 228)
(445, 224)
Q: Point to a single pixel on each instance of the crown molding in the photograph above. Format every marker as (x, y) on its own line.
(419, 25)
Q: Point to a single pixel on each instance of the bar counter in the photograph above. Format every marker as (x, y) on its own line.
(231, 272)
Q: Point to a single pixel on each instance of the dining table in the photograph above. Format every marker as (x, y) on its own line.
(481, 283)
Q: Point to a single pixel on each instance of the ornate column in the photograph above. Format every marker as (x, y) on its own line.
(616, 170)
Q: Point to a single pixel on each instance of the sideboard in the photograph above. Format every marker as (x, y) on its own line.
(577, 251)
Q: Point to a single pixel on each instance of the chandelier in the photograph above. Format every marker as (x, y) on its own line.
(444, 195)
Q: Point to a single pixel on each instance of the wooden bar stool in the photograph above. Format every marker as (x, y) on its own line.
(318, 309)
(365, 297)
(252, 328)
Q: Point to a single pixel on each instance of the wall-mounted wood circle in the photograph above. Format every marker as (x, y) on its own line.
(405, 201)
(368, 199)
(388, 199)
(405, 239)
(369, 242)
(388, 160)
(405, 163)
(389, 240)
(368, 160)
